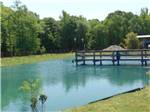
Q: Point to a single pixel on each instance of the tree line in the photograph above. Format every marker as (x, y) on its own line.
(24, 33)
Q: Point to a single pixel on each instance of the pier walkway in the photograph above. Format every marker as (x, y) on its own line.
(100, 57)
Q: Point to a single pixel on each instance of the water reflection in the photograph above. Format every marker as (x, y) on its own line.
(62, 78)
(119, 76)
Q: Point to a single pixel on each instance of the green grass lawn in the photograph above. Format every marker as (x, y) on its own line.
(138, 101)
(32, 58)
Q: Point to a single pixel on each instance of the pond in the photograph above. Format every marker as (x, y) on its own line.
(66, 85)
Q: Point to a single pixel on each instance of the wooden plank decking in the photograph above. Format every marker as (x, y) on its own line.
(115, 57)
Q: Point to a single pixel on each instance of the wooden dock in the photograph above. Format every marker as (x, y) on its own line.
(100, 57)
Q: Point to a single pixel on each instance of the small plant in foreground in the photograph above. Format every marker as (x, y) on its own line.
(33, 88)
(43, 99)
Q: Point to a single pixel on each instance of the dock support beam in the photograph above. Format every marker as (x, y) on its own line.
(100, 58)
(76, 59)
(118, 63)
(142, 58)
(145, 57)
(113, 58)
(83, 58)
(145, 62)
(94, 58)
(118, 57)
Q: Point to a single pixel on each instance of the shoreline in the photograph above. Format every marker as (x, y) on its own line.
(10, 61)
(121, 102)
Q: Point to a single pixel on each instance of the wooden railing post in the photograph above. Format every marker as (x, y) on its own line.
(142, 57)
(145, 58)
(76, 58)
(113, 58)
(94, 58)
(101, 58)
(118, 57)
(83, 57)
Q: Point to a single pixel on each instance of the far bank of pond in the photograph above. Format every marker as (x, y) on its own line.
(130, 102)
(10, 61)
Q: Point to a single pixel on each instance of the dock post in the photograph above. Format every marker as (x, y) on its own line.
(145, 55)
(113, 58)
(76, 59)
(118, 63)
(100, 58)
(145, 58)
(83, 57)
(142, 57)
(94, 58)
(145, 62)
(118, 57)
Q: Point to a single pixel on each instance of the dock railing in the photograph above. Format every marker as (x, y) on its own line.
(115, 56)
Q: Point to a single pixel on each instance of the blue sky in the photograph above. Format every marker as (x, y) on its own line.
(90, 9)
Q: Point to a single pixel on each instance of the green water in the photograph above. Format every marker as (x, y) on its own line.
(66, 85)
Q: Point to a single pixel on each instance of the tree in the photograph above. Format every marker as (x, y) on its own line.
(27, 28)
(81, 33)
(90, 34)
(132, 41)
(7, 36)
(20, 30)
(98, 36)
(50, 37)
(144, 20)
(117, 24)
(68, 30)
(72, 27)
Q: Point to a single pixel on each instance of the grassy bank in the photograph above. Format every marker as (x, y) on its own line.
(138, 101)
(32, 58)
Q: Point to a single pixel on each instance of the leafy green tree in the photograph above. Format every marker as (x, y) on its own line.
(144, 20)
(116, 24)
(8, 38)
(50, 37)
(81, 33)
(98, 36)
(27, 28)
(20, 30)
(90, 33)
(73, 27)
(68, 31)
(134, 24)
(132, 41)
